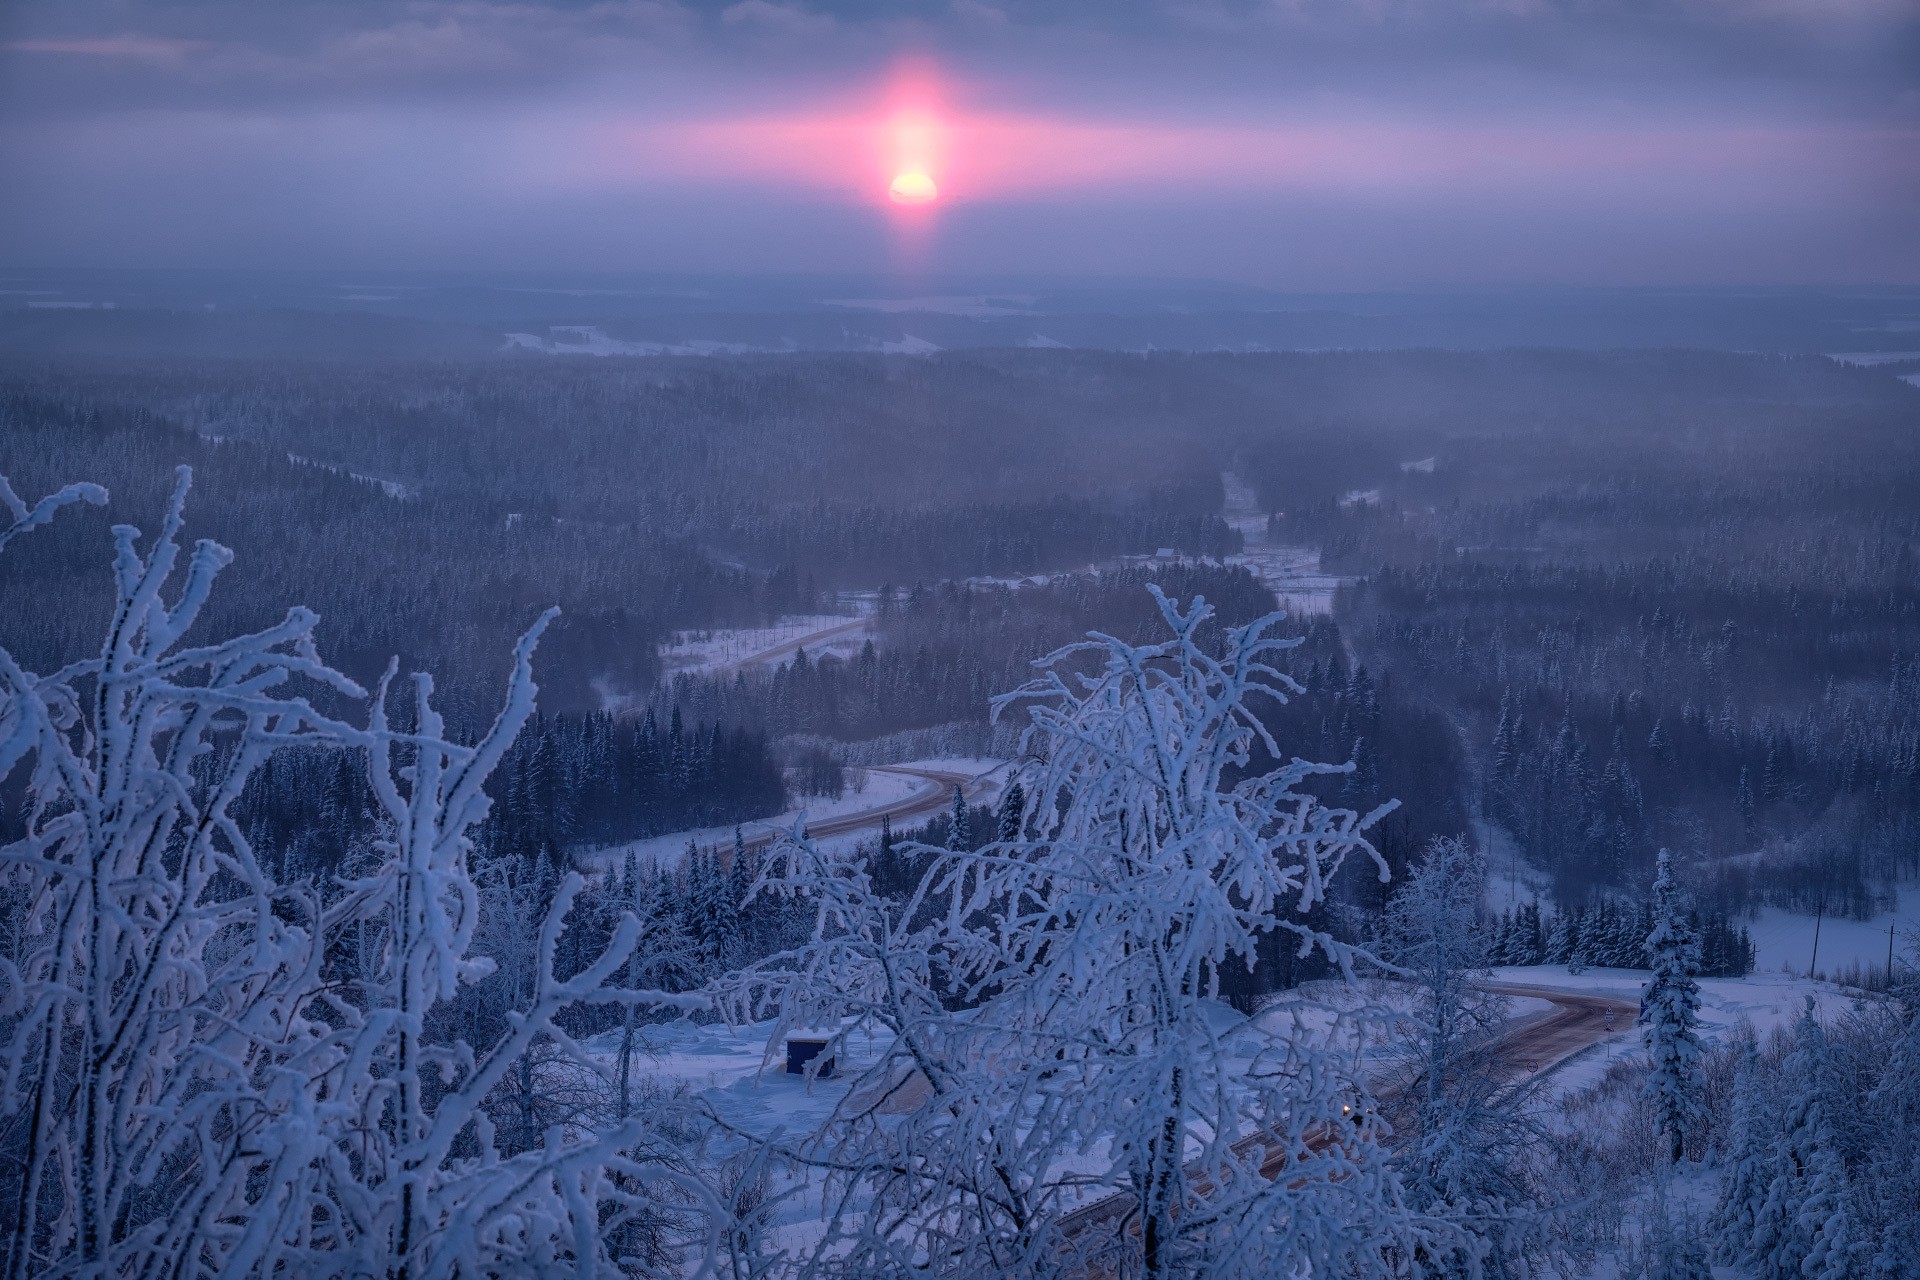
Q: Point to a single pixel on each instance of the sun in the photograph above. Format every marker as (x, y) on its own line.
(912, 187)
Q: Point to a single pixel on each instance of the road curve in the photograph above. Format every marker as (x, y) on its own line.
(1578, 1020)
(1530, 1046)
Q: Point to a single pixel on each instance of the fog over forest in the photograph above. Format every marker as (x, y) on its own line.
(959, 640)
(1555, 615)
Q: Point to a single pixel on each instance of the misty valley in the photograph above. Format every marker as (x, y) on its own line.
(1002, 811)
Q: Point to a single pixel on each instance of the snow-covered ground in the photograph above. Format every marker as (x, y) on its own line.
(724, 649)
(976, 305)
(1784, 940)
(1291, 572)
(741, 1071)
(908, 346)
(1766, 1001)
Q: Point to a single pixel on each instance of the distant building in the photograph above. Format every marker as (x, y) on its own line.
(803, 1047)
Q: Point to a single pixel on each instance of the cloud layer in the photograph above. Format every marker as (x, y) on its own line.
(1307, 142)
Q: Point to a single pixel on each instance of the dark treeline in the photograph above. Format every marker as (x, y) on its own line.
(1616, 711)
(1612, 934)
(433, 581)
(827, 463)
(1693, 623)
(1612, 601)
(601, 779)
(641, 496)
(941, 653)
(566, 781)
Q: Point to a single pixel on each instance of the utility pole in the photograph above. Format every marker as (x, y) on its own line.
(1812, 965)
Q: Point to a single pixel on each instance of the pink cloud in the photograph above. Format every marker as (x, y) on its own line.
(984, 157)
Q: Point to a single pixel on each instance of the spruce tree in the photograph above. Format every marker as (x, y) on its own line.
(959, 829)
(1670, 1014)
(1013, 807)
(1748, 1168)
(1893, 1165)
(1804, 1229)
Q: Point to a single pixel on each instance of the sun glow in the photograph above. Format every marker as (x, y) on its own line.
(912, 187)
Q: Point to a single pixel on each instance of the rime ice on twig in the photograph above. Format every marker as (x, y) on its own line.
(204, 1071)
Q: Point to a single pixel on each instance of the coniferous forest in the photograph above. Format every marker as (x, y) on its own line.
(1620, 653)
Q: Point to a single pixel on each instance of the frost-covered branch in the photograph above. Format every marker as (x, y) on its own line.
(1061, 1092)
(206, 1071)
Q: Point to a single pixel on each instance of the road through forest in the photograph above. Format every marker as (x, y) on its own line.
(930, 799)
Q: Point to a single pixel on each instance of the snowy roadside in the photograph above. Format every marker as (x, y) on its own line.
(1764, 1001)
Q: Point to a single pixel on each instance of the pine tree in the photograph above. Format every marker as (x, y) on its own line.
(1579, 941)
(1670, 1014)
(1528, 940)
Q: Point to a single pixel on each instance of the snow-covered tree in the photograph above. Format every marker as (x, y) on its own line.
(1747, 1163)
(1670, 1247)
(1893, 1165)
(1013, 807)
(959, 826)
(1804, 1228)
(1094, 1097)
(206, 1071)
(1464, 1128)
(1670, 1014)
(152, 964)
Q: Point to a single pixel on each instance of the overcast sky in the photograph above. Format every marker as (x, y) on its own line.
(1292, 143)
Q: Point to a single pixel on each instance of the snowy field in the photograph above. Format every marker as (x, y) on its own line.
(976, 305)
(1784, 940)
(725, 649)
(1291, 572)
